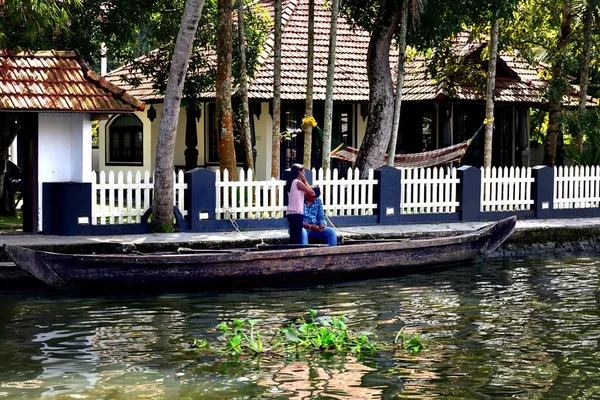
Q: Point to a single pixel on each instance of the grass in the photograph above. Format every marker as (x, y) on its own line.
(11, 224)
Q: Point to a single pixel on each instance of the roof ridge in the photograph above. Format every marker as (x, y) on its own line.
(103, 83)
(39, 53)
(286, 14)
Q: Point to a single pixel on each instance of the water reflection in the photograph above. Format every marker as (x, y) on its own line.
(518, 329)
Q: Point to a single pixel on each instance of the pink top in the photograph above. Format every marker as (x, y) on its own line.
(295, 199)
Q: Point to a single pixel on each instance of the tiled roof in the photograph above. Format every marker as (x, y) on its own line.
(144, 89)
(519, 84)
(351, 82)
(57, 81)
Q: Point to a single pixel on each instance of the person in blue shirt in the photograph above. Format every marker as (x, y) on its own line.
(314, 225)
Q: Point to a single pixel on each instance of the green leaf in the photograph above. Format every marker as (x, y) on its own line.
(291, 335)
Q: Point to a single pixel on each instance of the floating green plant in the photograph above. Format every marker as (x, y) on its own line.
(412, 342)
(305, 335)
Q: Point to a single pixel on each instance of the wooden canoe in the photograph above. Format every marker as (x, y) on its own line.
(212, 268)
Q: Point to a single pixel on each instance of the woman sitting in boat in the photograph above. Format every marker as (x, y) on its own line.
(296, 186)
(315, 226)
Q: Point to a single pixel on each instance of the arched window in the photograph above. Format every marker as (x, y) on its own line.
(125, 140)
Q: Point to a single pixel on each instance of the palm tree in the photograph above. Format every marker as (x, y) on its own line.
(399, 83)
(244, 88)
(276, 134)
(162, 210)
(223, 89)
(335, 4)
(310, 68)
(491, 83)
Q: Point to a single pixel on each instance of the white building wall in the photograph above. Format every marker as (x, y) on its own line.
(64, 150)
(262, 125)
(104, 165)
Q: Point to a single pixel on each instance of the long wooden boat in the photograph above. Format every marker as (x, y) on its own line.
(211, 268)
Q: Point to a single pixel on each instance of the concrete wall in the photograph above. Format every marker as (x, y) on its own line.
(64, 149)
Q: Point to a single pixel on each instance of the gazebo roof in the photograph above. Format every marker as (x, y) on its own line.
(58, 81)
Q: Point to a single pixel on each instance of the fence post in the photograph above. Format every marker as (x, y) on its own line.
(67, 208)
(201, 199)
(387, 195)
(469, 192)
(542, 191)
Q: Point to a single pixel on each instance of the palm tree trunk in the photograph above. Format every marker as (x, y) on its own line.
(162, 209)
(223, 89)
(381, 94)
(550, 147)
(244, 89)
(399, 83)
(310, 68)
(491, 83)
(275, 133)
(586, 56)
(329, 88)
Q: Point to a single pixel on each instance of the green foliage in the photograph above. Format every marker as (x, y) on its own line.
(324, 335)
(586, 123)
(29, 24)
(242, 337)
(411, 342)
(201, 74)
(157, 227)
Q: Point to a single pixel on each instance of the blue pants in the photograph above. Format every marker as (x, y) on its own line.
(329, 233)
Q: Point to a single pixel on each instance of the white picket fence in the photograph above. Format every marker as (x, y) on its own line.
(250, 199)
(428, 190)
(346, 196)
(125, 199)
(247, 198)
(576, 187)
(506, 189)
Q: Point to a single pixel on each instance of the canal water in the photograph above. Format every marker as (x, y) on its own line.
(525, 329)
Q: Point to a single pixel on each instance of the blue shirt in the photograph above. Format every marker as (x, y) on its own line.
(314, 214)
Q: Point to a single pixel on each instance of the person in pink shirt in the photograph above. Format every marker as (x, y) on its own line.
(295, 187)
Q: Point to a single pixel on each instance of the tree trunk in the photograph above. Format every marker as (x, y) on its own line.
(329, 88)
(586, 56)
(399, 83)
(381, 95)
(223, 89)
(8, 133)
(162, 211)
(244, 89)
(275, 133)
(489, 100)
(555, 100)
(310, 68)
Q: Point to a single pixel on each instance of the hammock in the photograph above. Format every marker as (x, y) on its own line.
(415, 160)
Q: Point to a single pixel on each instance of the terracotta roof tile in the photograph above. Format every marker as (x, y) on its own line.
(57, 81)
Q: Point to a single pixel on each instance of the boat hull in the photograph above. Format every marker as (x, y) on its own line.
(211, 268)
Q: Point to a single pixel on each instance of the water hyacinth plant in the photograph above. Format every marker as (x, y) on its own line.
(241, 337)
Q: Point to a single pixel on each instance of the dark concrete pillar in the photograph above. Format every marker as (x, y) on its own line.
(387, 195)
(542, 191)
(201, 199)
(469, 193)
(67, 208)
(191, 137)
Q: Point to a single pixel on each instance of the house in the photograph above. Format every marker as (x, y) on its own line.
(433, 115)
(60, 97)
